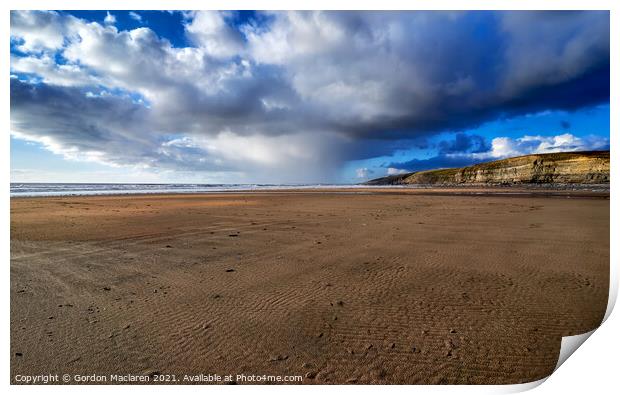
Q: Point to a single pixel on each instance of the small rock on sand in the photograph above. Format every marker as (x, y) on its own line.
(230, 270)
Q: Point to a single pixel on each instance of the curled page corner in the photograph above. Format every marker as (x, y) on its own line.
(517, 388)
(569, 345)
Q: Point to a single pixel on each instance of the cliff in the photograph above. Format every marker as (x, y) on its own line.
(588, 167)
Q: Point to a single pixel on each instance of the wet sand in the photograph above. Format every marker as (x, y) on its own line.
(367, 287)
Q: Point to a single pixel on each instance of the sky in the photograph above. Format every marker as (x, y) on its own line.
(299, 97)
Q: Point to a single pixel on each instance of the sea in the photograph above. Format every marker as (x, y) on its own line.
(75, 189)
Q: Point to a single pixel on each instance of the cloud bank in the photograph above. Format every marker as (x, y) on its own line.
(292, 96)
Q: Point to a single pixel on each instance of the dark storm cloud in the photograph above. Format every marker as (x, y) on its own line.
(451, 153)
(436, 162)
(299, 88)
(463, 143)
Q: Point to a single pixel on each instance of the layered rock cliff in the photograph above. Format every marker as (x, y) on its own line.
(589, 167)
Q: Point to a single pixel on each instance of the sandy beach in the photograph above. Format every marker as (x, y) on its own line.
(385, 287)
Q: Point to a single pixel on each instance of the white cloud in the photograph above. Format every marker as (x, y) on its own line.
(505, 147)
(109, 19)
(363, 172)
(46, 67)
(209, 31)
(40, 30)
(135, 16)
(391, 171)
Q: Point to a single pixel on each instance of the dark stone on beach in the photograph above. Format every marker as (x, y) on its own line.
(168, 246)
(106, 288)
(452, 331)
(230, 270)
(19, 354)
(233, 235)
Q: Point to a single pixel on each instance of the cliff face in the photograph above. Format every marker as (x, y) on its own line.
(590, 167)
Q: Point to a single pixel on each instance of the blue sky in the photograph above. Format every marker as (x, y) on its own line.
(152, 96)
